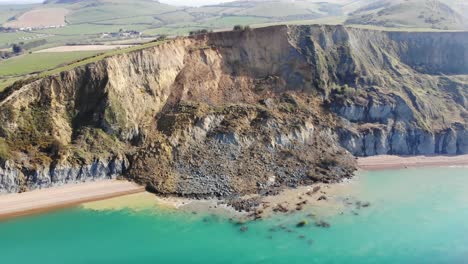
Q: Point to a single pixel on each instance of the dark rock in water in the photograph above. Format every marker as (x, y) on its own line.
(358, 205)
(322, 198)
(302, 223)
(244, 229)
(322, 224)
(241, 221)
(311, 215)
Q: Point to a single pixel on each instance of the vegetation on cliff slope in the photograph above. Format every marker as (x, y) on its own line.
(239, 112)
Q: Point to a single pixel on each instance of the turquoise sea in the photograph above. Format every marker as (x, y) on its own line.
(416, 216)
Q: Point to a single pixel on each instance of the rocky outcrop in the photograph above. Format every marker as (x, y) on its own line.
(241, 149)
(17, 179)
(231, 113)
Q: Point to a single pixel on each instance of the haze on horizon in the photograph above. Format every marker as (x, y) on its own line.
(171, 2)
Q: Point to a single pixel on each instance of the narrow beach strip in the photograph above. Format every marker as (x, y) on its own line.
(401, 162)
(21, 204)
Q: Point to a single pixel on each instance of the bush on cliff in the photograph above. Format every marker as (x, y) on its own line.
(241, 28)
(4, 150)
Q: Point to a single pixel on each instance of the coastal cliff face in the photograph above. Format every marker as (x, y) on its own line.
(241, 112)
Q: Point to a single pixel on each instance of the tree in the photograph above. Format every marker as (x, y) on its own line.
(198, 32)
(238, 28)
(17, 48)
(241, 28)
(161, 37)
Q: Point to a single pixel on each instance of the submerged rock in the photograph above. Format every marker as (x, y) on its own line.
(322, 224)
(302, 223)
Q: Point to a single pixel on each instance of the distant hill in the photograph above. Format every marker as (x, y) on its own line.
(408, 14)
(87, 21)
(278, 9)
(154, 17)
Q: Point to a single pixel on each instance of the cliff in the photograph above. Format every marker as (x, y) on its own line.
(239, 112)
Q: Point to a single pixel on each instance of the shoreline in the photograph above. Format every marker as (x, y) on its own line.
(55, 198)
(385, 162)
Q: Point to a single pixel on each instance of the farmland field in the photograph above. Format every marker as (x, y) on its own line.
(45, 17)
(87, 20)
(29, 63)
(44, 64)
(7, 12)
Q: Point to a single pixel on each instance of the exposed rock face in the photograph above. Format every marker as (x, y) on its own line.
(239, 112)
(12, 179)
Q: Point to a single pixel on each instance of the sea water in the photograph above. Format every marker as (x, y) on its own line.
(415, 216)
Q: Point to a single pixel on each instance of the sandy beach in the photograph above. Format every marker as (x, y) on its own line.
(401, 162)
(14, 205)
(111, 194)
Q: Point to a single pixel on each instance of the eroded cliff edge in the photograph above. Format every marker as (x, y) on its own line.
(239, 112)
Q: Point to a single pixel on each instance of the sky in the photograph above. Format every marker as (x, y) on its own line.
(172, 2)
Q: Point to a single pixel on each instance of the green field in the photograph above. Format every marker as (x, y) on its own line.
(98, 58)
(46, 64)
(36, 62)
(88, 19)
(4, 83)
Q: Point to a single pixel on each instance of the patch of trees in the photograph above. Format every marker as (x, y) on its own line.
(161, 37)
(199, 32)
(17, 48)
(241, 28)
(7, 29)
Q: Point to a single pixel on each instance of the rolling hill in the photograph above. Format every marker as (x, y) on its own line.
(413, 14)
(88, 17)
(90, 22)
